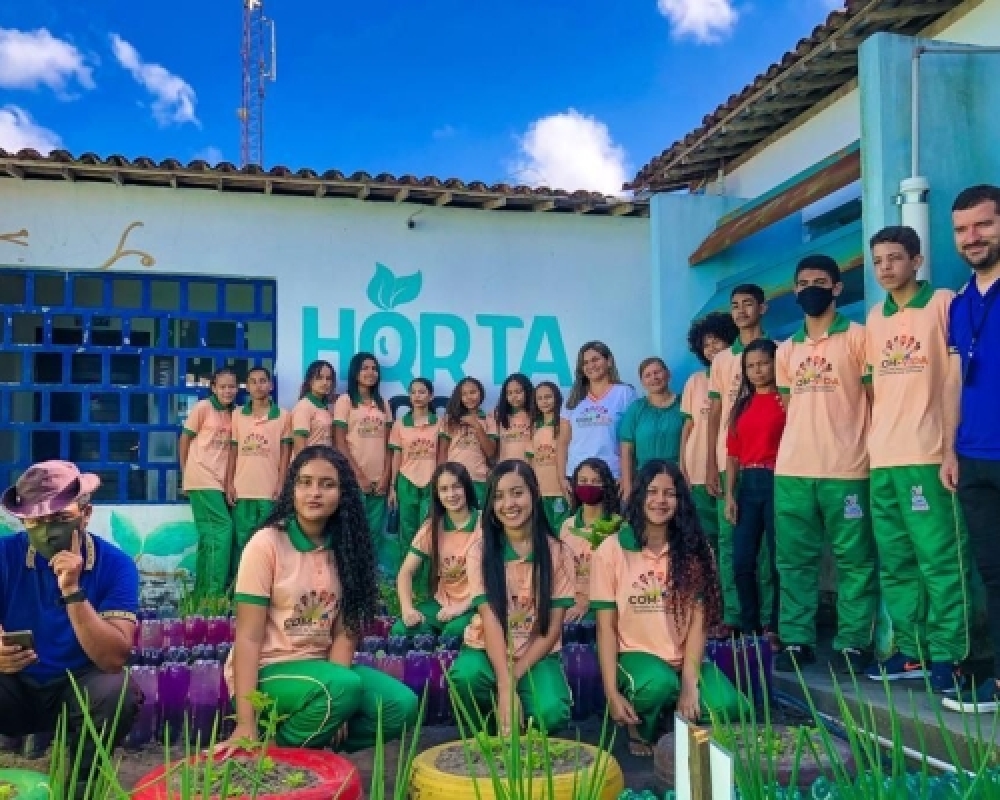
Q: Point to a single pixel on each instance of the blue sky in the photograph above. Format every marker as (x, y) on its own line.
(567, 93)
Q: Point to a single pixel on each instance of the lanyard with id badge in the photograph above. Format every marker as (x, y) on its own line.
(968, 369)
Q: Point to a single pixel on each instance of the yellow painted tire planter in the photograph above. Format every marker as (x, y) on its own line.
(427, 782)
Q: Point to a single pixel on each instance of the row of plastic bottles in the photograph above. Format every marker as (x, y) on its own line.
(747, 662)
(153, 632)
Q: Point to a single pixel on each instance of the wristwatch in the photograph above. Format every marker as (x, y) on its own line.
(76, 597)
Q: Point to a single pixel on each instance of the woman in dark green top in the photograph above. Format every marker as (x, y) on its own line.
(651, 427)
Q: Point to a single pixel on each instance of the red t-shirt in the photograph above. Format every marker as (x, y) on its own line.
(754, 440)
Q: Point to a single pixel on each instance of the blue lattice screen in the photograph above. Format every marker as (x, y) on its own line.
(102, 368)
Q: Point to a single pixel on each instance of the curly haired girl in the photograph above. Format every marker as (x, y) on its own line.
(306, 585)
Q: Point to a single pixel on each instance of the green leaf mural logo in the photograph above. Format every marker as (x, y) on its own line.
(387, 292)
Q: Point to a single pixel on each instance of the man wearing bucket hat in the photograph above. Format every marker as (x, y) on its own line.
(68, 603)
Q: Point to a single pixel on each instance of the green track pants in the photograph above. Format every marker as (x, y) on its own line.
(317, 697)
(727, 571)
(652, 686)
(248, 516)
(214, 525)
(414, 504)
(807, 513)
(430, 609)
(543, 691)
(925, 564)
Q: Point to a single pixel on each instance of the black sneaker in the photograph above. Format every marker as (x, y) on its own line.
(792, 655)
(851, 661)
(985, 699)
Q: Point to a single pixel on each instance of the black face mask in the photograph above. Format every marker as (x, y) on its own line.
(814, 300)
(50, 538)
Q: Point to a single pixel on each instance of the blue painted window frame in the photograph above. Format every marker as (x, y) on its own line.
(131, 475)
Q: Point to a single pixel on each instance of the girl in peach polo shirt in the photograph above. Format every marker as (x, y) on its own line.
(655, 588)
(204, 456)
(361, 424)
(306, 586)
(442, 544)
(469, 436)
(413, 444)
(549, 449)
(514, 412)
(521, 582)
(596, 502)
(312, 417)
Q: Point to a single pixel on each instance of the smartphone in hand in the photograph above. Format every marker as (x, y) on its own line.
(23, 639)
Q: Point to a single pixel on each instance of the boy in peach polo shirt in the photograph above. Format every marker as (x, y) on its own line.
(204, 456)
(925, 564)
(748, 305)
(258, 458)
(821, 477)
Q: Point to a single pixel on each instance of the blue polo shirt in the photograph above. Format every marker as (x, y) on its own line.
(979, 430)
(29, 599)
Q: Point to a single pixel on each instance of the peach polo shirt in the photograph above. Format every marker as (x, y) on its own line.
(544, 452)
(210, 426)
(724, 385)
(366, 425)
(515, 441)
(576, 535)
(908, 361)
(521, 607)
(312, 419)
(826, 435)
(299, 585)
(418, 447)
(258, 442)
(463, 446)
(454, 545)
(695, 406)
(632, 580)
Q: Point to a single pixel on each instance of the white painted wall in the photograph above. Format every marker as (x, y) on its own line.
(569, 276)
(840, 124)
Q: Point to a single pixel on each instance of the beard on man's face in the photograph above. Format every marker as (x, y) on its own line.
(988, 260)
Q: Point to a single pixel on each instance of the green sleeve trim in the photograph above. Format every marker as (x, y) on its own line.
(188, 432)
(233, 443)
(288, 440)
(714, 395)
(339, 423)
(419, 553)
(686, 416)
(395, 447)
(300, 432)
(444, 435)
(251, 599)
(867, 379)
(478, 600)
(784, 390)
(494, 437)
(603, 605)
(563, 602)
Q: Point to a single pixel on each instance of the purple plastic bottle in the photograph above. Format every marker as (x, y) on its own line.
(232, 629)
(445, 658)
(415, 670)
(144, 727)
(217, 630)
(195, 630)
(373, 644)
(173, 633)
(393, 665)
(592, 680)
(573, 661)
(204, 701)
(399, 645)
(227, 721)
(174, 685)
(151, 634)
(364, 659)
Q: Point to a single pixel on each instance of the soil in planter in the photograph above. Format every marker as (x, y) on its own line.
(270, 779)
(564, 759)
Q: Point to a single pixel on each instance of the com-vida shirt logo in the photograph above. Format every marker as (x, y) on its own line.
(517, 432)
(901, 355)
(545, 455)
(314, 614)
(581, 565)
(422, 448)
(255, 445)
(815, 374)
(649, 591)
(520, 616)
(452, 569)
(595, 416)
(370, 426)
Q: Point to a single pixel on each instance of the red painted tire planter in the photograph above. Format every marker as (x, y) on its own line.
(338, 777)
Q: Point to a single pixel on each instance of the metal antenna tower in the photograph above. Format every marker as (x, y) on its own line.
(259, 66)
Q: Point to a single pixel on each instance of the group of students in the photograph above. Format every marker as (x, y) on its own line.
(844, 435)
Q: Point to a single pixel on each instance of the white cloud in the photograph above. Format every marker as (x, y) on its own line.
(571, 151)
(31, 59)
(173, 97)
(19, 131)
(444, 132)
(212, 154)
(707, 21)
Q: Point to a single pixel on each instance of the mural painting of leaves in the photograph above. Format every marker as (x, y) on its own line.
(188, 563)
(386, 291)
(125, 534)
(171, 539)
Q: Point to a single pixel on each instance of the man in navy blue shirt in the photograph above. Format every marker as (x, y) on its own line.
(972, 429)
(78, 596)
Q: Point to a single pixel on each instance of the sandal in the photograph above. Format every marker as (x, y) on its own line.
(637, 746)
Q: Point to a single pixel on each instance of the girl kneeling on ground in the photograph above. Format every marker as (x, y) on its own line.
(655, 589)
(521, 580)
(306, 585)
(442, 545)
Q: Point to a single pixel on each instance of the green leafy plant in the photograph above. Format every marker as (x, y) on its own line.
(407, 753)
(603, 528)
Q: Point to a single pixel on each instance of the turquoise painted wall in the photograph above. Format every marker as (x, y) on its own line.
(959, 128)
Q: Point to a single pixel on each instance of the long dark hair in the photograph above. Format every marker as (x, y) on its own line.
(610, 502)
(539, 417)
(495, 542)
(354, 371)
(693, 576)
(505, 409)
(439, 513)
(747, 389)
(347, 531)
(454, 411)
(312, 373)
